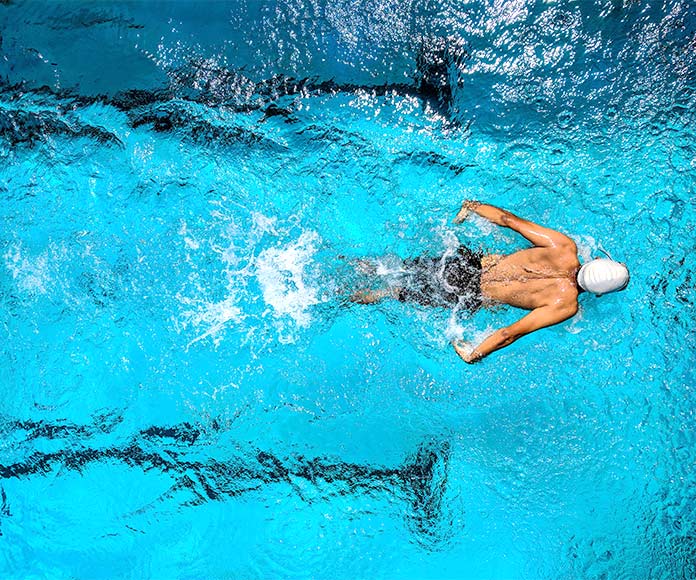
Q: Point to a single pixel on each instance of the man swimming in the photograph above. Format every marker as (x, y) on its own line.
(545, 279)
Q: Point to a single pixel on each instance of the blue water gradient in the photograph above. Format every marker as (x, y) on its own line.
(186, 190)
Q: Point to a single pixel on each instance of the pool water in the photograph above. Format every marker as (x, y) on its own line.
(186, 191)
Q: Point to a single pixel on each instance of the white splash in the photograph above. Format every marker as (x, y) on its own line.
(467, 333)
(283, 271)
(450, 241)
(587, 247)
(213, 316)
(210, 317)
(281, 274)
(455, 330)
(190, 242)
(387, 266)
(264, 224)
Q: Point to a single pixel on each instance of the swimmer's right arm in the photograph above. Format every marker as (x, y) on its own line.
(538, 235)
(538, 318)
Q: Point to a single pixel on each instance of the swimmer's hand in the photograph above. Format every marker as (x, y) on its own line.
(465, 210)
(466, 351)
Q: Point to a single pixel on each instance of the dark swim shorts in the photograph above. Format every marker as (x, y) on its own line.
(445, 281)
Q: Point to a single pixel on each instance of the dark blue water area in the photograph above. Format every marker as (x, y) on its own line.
(189, 191)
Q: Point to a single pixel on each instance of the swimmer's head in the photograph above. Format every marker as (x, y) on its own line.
(602, 275)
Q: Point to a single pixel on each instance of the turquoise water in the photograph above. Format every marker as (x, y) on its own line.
(186, 392)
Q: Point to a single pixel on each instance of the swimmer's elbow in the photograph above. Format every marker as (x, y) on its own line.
(508, 336)
(506, 218)
(569, 311)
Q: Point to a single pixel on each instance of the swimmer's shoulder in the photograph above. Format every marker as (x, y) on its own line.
(567, 297)
(561, 241)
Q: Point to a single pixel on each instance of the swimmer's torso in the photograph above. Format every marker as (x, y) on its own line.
(531, 278)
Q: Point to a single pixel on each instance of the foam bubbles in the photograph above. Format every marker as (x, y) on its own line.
(281, 272)
(455, 330)
(262, 288)
(388, 266)
(213, 316)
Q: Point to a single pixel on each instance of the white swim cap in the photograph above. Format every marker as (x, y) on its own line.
(602, 275)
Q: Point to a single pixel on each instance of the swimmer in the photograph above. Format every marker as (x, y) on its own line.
(545, 279)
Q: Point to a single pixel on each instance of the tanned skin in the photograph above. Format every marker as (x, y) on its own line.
(542, 279)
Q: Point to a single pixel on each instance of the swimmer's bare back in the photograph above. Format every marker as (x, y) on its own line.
(541, 279)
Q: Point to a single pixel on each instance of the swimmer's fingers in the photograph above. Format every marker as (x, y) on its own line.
(461, 216)
(467, 206)
(461, 347)
(465, 350)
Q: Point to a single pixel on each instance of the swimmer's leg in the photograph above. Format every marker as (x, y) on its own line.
(365, 266)
(373, 296)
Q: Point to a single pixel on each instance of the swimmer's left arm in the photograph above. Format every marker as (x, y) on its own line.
(538, 318)
(536, 234)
